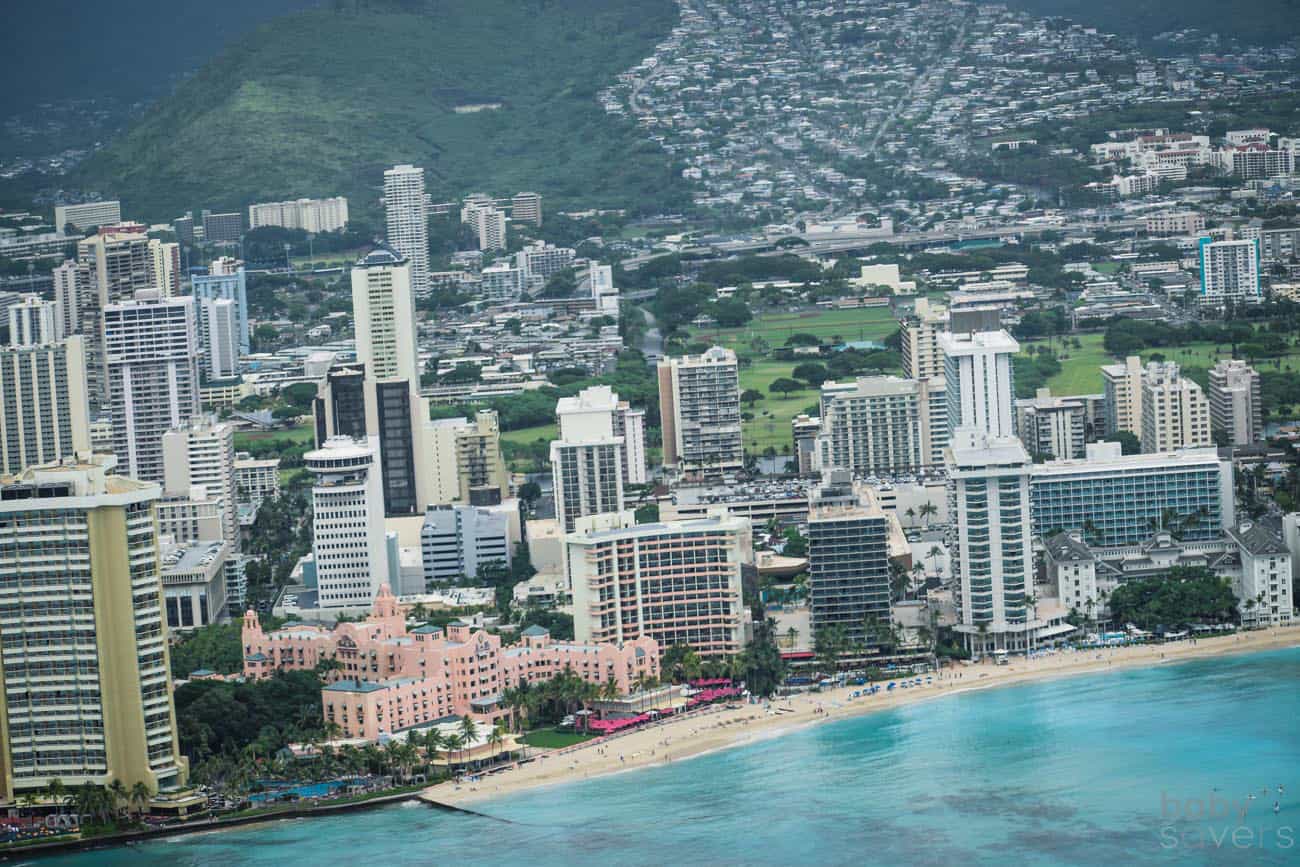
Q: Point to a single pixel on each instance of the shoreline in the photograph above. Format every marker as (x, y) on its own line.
(699, 734)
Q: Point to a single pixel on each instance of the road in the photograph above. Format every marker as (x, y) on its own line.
(652, 342)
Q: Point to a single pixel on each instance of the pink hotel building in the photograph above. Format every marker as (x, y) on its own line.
(391, 678)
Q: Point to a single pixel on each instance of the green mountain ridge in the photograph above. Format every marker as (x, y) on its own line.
(321, 102)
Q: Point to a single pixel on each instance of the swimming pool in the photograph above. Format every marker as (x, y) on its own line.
(304, 790)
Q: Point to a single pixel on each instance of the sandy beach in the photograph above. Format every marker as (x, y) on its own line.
(722, 728)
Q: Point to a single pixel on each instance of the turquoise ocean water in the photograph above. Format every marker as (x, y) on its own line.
(1148, 766)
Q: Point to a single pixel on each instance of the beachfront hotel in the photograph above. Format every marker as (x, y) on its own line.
(390, 678)
(988, 501)
(87, 694)
(677, 582)
(848, 558)
(1118, 499)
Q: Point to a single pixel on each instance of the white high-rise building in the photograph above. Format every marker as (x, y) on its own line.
(597, 411)
(407, 208)
(310, 215)
(980, 381)
(1229, 272)
(87, 215)
(88, 693)
(699, 404)
(1052, 427)
(491, 229)
(201, 453)
(1236, 407)
(221, 321)
(225, 280)
(44, 414)
(72, 286)
(1175, 413)
(153, 378)
(588, 477)
(873, 426)
(34, 321)
(992, 538)
(348, 544)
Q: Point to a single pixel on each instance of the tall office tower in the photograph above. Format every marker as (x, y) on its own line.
(407, 209)
(87, 684)
(310, 215)
(347, 522)
(153, 377)
(201, 453)
(1175, 413)
(44, 414)
(87, 215)
(1122, 395)
(699, 403)
(1116, 499)
(166, 258)
(589, 459)
(339, 408)
(922, 355)
(467, 463)
(491, 229)
(1229, 272)
(72, 285)
(526, 208)
(872, 426)
(220, 320)
(33, 321)
(384, 309)
(992, 539)
(678, 582)
(1235, 404)
(1052, 427)
(848, 559)
(225, 280)
(980, 380)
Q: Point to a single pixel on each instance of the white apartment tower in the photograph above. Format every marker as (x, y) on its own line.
(44, 413)
(699, 403)
(34, 321)
(348, 542)
(1235, 404)
(1175, 413)
(1229, 272)
(992, 537)
(153, 377)
(407, 208)
(980, 381)
(201, 453)
(221, 318)
(587, 460)
(874, 426)
(598, 408)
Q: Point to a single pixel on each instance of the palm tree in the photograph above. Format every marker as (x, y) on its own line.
(911, 516)
(140, 795)
(57, 791)
(497, 737)
(118, 794)
(792, 635)
(468, 732)
(928, 511)
(453, 742)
